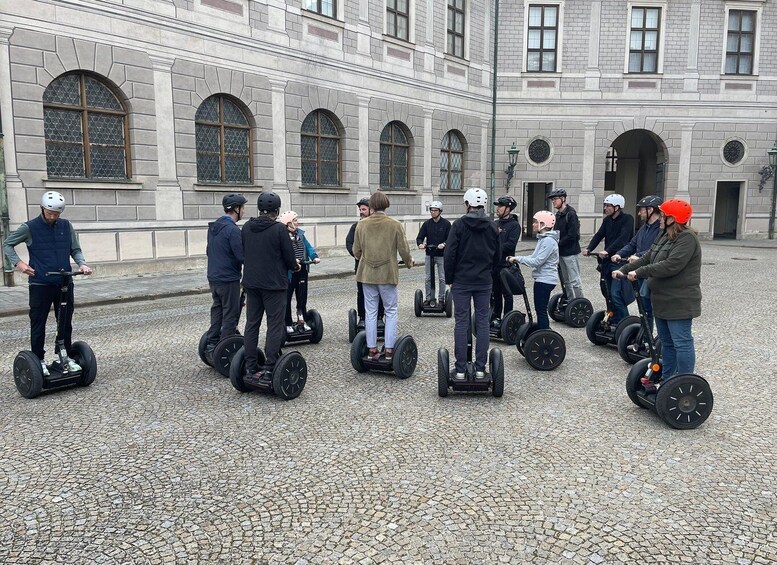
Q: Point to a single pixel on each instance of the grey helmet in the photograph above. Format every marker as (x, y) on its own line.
(650, 202)
(268, 202)
(364, 202)
(53, 201)
(233, 200)
(557, 193)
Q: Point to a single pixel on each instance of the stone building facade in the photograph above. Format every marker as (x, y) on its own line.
(323, 101)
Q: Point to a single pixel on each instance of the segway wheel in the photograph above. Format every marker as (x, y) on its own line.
(289, 376)
(497, 367)
(352, 321)
(84, 356)
(313, 318)
(684, 401)
(448, 304)
(419, 302)
(634, 380)
(545, 350)
(594, 325)
(623, 324)
(629, 337)
(405, 357)
(553, 310)
(237, 368)
(28, 374)
(443, 370)
(578, 312)
(359, 351)
(201, 349)
(224, 352)
(523, 332)
(510, 324)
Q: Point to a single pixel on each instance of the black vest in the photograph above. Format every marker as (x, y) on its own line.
(50, 249)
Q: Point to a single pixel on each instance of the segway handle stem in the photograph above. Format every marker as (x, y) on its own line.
(64, 273)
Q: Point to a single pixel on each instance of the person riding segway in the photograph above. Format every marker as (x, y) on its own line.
(431, 237)
(509, 229)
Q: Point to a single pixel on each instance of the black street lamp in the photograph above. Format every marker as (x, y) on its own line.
(512, 162)
(773, 162)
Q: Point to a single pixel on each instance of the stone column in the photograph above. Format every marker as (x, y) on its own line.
(429, 38)
(169, 199)
(587, 202)
(280, 183)
(428, 191)
(363, 190)
(276, 21)
(364, 34)
(691, 78)
(684, 176)
(17, 200)
(592, 73)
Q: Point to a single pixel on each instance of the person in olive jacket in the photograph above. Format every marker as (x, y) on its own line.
(269, 256)
(377, 241)
(672, 268)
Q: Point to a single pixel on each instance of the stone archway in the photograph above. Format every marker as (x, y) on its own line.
(636, 165)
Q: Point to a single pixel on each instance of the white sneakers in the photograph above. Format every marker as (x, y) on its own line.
(480, 374)
(289, 329)
(71, 366)
(45, 369)
(461, 376)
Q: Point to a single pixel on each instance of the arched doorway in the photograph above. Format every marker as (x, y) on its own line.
(636, 166)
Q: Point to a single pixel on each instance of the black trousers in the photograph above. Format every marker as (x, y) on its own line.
(499, 296)
(360, 304)
(42, 297)
(258, 303)
(225, 311)
(298, 285)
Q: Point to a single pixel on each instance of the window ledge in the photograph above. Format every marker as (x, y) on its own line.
(450, 57)
(739, 78)
(93, 184)
(398, 191)
(323, 19)
(407, 44)
(223, 187)
(325, 189)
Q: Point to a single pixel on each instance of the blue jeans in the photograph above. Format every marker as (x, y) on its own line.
(373, 294)
(462, 299)
(644, 292)
(436, 264)
(621, 294)
(541, 298)
(677, 350)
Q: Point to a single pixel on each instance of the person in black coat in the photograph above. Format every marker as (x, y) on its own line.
(268, 258)
(509, 229)
(568, 227)
(364, 211)
(431, 237)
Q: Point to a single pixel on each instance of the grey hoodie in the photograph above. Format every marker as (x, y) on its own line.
(544, 260)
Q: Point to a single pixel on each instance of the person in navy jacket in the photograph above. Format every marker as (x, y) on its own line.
(51, 242)
(431, 237)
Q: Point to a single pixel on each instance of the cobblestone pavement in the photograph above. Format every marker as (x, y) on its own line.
(162, 461)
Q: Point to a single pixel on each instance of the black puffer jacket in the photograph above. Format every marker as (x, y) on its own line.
(509, 232)
(472, 251)
(568, 227)
(269, 254)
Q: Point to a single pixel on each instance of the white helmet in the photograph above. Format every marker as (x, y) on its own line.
(436, 204)
(615, 200)
(288, 216)
(476, 197)
(53, 201)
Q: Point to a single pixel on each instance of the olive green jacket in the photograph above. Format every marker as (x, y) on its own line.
(376, 243)
(673, 271)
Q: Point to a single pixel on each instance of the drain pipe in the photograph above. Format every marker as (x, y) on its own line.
(5, 219)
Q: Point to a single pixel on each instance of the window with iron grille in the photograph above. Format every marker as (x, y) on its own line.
(324, 7)
(321, 153)
(394, 157)
(398, 19)
(451, 161)
(223, 137)
(740, 41)
(85, 128)
(643, 40)
(541, 39)
(456, 28)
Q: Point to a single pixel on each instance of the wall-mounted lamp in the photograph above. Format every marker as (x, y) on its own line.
(512, 161)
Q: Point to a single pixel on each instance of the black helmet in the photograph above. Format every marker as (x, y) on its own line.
(268, 202)
(232, 201)
(508, 201)
(557, 193)
(650, 202)
(363, 202)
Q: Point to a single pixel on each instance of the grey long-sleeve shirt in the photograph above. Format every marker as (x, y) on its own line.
(22, 235)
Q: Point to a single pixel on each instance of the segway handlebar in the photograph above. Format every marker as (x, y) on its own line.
(64, 273)
(635, 283)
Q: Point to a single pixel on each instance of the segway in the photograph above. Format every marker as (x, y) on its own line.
(402, 364)
(575, 312)
(683, 401)
(434, 306)
(494, 378)
(314, 322)
(220, 357)
(544, 350)
(633, 343)
(27, 371)
(288, 377)
(599, 329)
(506, 328)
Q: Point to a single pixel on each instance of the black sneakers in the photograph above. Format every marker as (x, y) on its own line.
(262, 378)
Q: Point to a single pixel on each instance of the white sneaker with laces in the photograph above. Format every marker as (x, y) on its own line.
(289, 329)
(71, 366)
(480, 374)
(45, 369)
(461, 376)
(306, 327)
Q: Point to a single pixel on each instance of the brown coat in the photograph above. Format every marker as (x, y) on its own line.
(376, 243)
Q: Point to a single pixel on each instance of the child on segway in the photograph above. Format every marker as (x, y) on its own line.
(432, 237)
(298, 280)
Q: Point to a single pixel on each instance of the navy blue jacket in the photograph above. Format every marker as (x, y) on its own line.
(615, 233)
(568, 227)
(269, 254)
(50, 249)
(472, 251)
(642, 240)
(509, 230)
(224, 250)
(435, 233)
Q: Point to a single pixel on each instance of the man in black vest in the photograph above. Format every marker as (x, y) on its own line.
(51, 242)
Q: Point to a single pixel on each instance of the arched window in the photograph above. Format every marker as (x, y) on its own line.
(321, 155)
(451, 161)
(223, 141)
(394, 157)
(85, 127)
